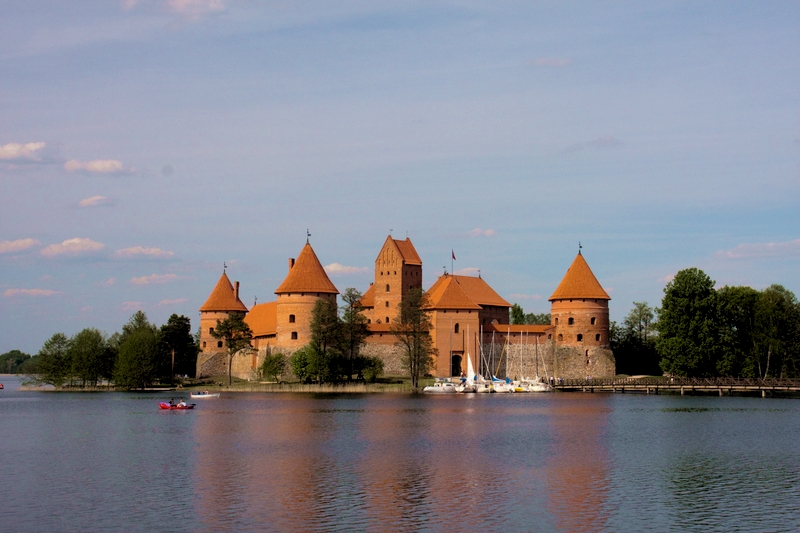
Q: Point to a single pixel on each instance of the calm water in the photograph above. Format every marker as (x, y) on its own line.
(280, 462)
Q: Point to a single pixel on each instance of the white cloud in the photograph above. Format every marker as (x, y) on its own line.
(99, 166)
(478, 232)
(551, 62)
(469, 271)
(72, 246)
(107, 283)
(154, 279)
(17, 246)
(667, 278)
(142, 250)
(173, 302)
(94, 201)
(29, 292)
(131, 306)
(17, 151)
(518, 296)
(763, 249)
(195, 8)
(606, 141)
(337, 269)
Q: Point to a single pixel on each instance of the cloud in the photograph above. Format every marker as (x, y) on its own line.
(761, 250)
(18, 245)
(153, 279)
(195, 8)
(478, 232)
(94, 201)
(606, 141)
(72, 246)
(518, 296)
(337, 269)
(20, 151)
(469, 271)
(29, 292)
(666, 279)
(107, 283)
(173, 302)
(142, 250)
(555, 62)
(127, 5)
(131, 306)
(98, 166)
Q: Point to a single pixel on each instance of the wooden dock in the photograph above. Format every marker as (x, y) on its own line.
(683, 386)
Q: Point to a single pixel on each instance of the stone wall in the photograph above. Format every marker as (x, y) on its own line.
(391, 356)
(548, 360)
(212, 364)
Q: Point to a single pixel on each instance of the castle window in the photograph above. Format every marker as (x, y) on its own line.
(571, 321)
(549, 336)
(556, 321)
(455, 329)
(395, 272)
(204, 344)
(580, 337)
(387, 319)
(387, 287)
(387, 304)
(210, 331)
(294, 335)
(219, 344)
(560, 337)
(291, 319)
(369, 321)
(593, 320)
(597, 337)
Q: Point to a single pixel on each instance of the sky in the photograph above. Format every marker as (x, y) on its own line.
(145, 143)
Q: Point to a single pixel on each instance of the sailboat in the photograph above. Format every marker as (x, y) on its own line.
(470, 384)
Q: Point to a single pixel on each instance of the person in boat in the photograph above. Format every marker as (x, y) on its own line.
(171, 402)
(181, 404)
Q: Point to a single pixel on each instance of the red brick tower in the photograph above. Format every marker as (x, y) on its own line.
(223, 301)
(579, 309)
(306, 283)
(398, 268)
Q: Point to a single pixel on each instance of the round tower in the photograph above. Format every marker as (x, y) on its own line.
(579, 309)
(223, 302)
(305, 284)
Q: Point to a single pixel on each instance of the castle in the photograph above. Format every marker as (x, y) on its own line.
(469, 319)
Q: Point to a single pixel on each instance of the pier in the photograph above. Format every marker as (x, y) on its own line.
(683, 386)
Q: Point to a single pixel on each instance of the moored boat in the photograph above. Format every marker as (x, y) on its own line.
(441, 387)
(204, 394)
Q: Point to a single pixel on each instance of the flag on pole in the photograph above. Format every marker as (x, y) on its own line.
(453, 254)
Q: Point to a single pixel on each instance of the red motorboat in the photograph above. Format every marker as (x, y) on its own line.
(175, 407)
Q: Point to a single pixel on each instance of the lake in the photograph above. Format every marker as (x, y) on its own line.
(568, 462)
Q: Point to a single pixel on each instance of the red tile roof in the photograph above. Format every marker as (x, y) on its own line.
(463, 292)
(368, 300)
(307, 275)
(263, 319)
(223, 297)
(579, 283)
(407, 251)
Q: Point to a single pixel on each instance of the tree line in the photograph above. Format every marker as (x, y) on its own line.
(700, 331)
(140, 355)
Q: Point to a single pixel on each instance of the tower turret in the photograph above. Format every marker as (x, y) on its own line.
(223, 301)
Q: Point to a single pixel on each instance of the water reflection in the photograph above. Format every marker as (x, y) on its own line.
(578, 470)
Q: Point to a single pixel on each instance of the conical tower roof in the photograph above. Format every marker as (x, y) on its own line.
(579, 283)
(223, 297)
(307, 275)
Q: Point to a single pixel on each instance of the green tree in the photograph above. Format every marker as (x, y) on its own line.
(353, 328)
(327, 339)
(777, 333)
(302, 363)
(413, 335)
(54, 364)
(517, 314)
(89, 356)
(274, 365)
(11, 361)
(737, 314)
(236, 334)
(137, 363)
(688, 325)
(633, 343)
(177, 347)
(533, 318)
